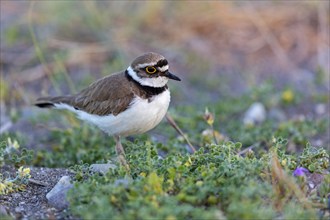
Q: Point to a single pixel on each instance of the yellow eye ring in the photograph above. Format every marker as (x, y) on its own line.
(151, 69)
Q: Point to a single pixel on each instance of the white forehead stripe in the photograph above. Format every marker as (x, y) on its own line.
(159, 81)
(142, 65)
(163, 68)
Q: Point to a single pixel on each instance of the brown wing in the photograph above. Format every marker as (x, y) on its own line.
(109, 95)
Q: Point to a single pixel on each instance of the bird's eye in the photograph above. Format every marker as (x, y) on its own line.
(151, 69)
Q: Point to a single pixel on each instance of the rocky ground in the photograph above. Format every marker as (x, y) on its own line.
(32, 202)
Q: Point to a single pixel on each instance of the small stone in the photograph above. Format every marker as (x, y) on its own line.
(299, 117)
(255, 114)
(320, 109)
(123, 182)
(16, 195)
(57, 196)
(311, 185)
(19, 209)
(209, 135)
(3, 210)
(102, 168)
(276, 115)
(318, 142)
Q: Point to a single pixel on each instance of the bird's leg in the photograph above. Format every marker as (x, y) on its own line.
(121, 153)
(119, 147)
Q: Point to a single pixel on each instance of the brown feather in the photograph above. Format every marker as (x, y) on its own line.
(147, 58)
(109, 95)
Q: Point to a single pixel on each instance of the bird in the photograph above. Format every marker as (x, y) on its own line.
(122, 104)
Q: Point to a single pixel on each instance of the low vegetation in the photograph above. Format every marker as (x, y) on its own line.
(244, 171)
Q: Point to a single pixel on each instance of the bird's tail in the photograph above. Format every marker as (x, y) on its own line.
(49, 102)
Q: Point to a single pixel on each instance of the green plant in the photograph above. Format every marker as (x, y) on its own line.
(213, 181)
(10, 153)
(8, 185)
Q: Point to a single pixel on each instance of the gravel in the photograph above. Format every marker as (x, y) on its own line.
(32, 202)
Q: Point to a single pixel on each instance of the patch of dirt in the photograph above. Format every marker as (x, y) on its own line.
(32, 202)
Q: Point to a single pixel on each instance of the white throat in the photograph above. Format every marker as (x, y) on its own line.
(152, 82)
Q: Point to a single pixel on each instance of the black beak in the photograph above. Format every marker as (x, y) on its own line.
(171, 76)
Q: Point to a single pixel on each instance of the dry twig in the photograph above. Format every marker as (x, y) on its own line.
(37, 182)
(176, 127)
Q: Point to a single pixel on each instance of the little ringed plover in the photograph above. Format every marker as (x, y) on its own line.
(126, 103)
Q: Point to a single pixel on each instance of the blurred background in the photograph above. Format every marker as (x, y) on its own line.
(220, 49)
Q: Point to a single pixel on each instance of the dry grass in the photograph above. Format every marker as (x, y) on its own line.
(47, 46)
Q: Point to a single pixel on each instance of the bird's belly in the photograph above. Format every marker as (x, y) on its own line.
(141, 116)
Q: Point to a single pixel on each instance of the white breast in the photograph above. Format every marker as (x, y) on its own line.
(140, 117)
